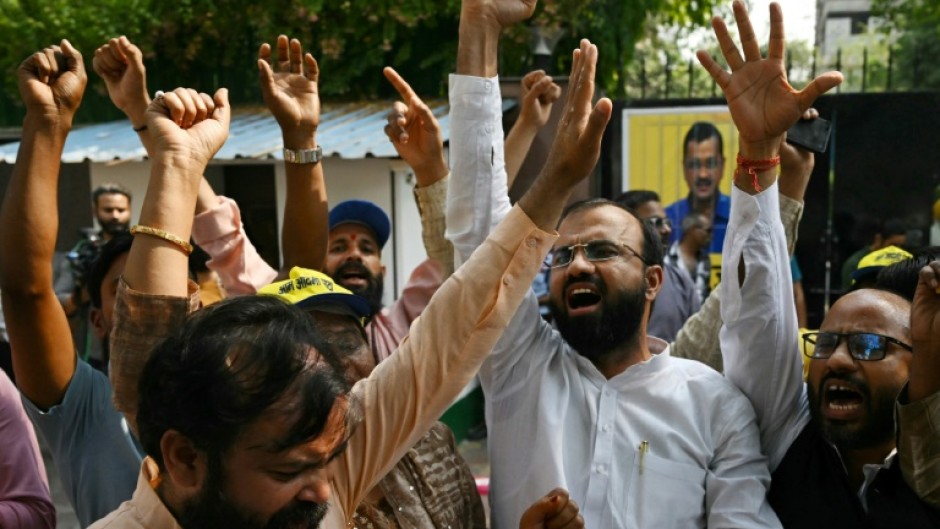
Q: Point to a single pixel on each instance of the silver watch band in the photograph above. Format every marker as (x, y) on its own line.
(303, 155)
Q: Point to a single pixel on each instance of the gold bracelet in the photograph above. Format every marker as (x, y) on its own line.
(184, 246)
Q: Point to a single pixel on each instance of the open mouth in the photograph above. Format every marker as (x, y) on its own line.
(353, 277)
(841, 400)
(582, 298)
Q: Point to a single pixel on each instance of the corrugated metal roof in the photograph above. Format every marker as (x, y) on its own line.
(351, 130)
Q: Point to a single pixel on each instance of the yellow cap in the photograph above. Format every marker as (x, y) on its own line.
(875, 261)
(313, 290)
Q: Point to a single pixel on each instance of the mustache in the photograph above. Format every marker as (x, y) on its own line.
(593, 280)
(355, 267)
(703, 180)
(854, 381)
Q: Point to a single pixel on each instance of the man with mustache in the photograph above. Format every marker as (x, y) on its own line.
(246, 385)
(831, 441)
(638, 437)
(703, 165)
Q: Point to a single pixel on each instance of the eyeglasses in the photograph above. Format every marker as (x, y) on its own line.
(695, 164)
(594, 251)
(862, 345)
(658, 222)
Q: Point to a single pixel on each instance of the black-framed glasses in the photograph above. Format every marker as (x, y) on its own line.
(659, 222)
(712, 162)
(862, 345)
(594, 251)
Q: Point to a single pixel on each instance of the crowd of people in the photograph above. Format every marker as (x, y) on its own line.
(228, 392)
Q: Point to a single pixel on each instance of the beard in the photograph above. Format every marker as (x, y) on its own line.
(211, 509)
(373, 289)
(614, 323)
(878, 425)
(114, 227)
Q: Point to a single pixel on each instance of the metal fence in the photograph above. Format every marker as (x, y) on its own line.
(865, 70)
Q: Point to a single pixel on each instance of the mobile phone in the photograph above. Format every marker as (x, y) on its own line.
(811, 134)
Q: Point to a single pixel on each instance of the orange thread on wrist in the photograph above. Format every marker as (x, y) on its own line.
(753, 167)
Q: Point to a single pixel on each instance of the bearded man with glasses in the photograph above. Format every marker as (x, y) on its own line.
(831, 441)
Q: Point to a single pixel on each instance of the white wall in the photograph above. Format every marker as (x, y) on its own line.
(388, 183)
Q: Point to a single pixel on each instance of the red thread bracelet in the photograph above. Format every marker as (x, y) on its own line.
(752, 167)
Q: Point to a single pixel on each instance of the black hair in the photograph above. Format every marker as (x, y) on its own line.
(893, 227)
(228, 364)
(635, 198)
(652, 243)
(110, 189)
(699, 132)
(119, 245)
(902, 277)
(692, 219)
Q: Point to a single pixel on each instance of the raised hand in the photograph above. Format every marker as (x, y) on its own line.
(925, 333)
(189, 126)
(539, 92)
(291, 92)
(763, 105)
(121, 64)
(577, 144)
(415, 132)
(555, 510)
(52, 81)
(498, 13)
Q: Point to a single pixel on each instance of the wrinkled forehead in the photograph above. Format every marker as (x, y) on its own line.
(602, 222)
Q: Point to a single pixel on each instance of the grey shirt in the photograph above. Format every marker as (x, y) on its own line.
(92, 447)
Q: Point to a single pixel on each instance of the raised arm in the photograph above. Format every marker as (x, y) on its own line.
(478, 197)
(538, 93)
(292, 96)
(759, 337)
(51, 83)
(121, 64)
(698, 337)
(445, 347)
(416, 136)
(187, 129)
(919, 417)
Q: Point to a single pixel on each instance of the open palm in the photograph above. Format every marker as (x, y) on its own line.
(762, 103)
(290, 93)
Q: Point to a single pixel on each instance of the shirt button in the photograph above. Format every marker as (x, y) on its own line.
(606, 428)
(507, 280)
(399, 509)
(531, 242)
(488, 85)
(411, 488)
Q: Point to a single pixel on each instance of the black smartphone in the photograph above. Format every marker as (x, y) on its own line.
(810, 134)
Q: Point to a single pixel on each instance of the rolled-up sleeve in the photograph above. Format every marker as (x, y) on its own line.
(219, 231)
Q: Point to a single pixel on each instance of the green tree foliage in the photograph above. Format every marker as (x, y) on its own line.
(916, 26)
(210, 43)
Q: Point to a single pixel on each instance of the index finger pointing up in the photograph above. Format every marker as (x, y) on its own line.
(403, 88)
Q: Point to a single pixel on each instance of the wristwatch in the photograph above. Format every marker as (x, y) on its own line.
(303, 155)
